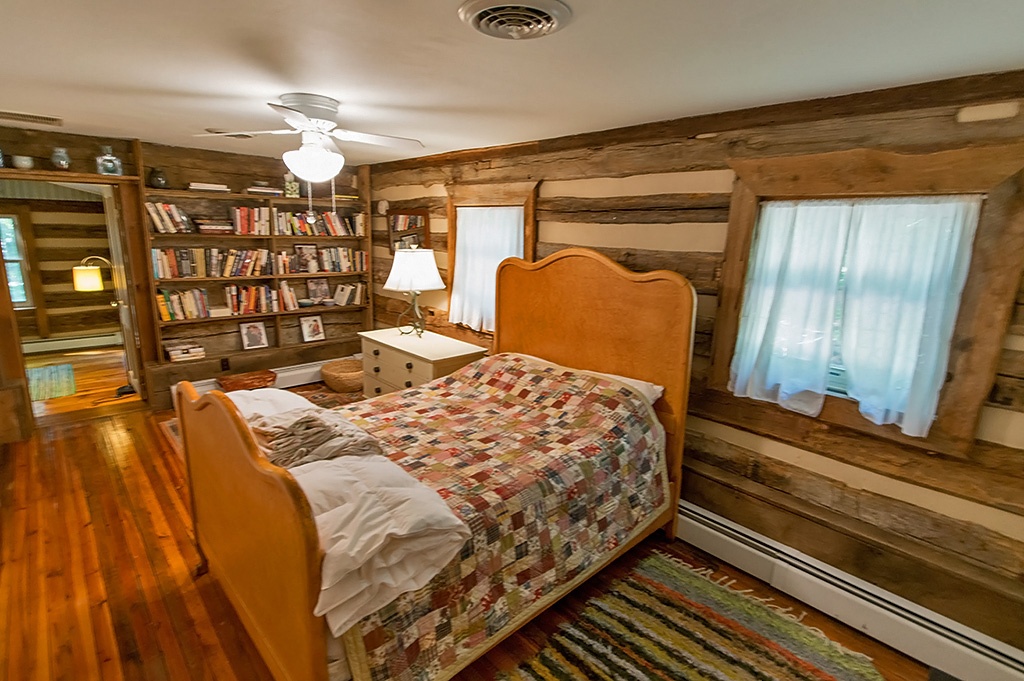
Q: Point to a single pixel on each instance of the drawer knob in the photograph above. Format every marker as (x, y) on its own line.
(376, 353)
(408, 365)
(408, 384)
(376, 370)
(377, 390)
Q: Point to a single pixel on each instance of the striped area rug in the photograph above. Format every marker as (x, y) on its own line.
(52, 380)
(662, 619)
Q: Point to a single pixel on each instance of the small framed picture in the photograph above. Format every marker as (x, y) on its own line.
(254, 335)
(306, 255)
(312, 328)
(317, 289)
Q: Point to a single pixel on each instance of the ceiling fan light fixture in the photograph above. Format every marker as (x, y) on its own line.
(312, 163)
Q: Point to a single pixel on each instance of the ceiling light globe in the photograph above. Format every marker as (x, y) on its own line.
(313, 163)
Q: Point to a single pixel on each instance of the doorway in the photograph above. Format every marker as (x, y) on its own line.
(72, 341)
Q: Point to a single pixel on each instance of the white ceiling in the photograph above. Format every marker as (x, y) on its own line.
(162, 71)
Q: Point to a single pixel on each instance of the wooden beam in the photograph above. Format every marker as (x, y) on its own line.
(970, 541)
(950, 93)
(650, 209)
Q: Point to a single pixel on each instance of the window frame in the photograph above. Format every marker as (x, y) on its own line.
(33, 280)
(23, 262)
(997, 262)
(503, 195)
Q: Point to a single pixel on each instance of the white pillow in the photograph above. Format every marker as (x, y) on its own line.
(650, 391)
(266, 401)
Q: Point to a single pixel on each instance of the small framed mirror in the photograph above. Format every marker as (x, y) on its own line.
(408, 228)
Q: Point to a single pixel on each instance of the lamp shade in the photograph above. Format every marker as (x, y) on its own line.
(87, 278)
(313, 163)
(414, 269)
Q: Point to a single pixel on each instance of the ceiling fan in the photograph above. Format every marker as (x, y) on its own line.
(313, 116)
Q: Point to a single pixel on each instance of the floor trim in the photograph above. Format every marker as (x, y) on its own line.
(913, 630)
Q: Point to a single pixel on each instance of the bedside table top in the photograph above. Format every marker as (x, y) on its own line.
(430, 346)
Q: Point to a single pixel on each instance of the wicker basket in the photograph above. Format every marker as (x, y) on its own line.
(343, 375)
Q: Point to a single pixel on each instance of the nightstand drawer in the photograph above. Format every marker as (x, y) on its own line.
(373, 387)
(395, 367)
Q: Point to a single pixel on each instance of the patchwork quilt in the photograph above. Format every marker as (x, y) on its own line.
(549, 468)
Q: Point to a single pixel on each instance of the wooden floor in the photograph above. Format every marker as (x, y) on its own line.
(96, 557)
(98, 375)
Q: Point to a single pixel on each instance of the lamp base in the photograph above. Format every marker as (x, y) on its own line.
(417, 324)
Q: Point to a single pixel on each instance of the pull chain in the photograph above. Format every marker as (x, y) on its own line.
(334, 198)
(310, 215)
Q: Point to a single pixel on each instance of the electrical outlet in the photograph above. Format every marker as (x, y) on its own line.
(225, 363)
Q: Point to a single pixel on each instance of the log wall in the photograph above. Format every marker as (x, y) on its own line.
(946, 533)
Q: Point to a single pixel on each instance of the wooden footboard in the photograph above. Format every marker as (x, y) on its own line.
(255, 530)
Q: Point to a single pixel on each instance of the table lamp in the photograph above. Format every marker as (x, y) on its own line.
(413, 271)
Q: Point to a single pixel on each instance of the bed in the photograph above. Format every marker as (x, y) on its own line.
(254, 525)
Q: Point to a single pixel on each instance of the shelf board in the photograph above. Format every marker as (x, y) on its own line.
(184, 280)
(294, 275)
(307, 275)
(63, 176)
(313, 309)
(293, 237)
(196, 194)
(158, 235)
(347, 201)
(347, 338)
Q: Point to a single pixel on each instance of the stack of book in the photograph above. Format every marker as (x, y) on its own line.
(208, 187)
(264, 191)
(324, 224)
(350, 294)
(184, 263)
(287, 297)
(168, 218)
(214, 226)
(403, 223)
(252, 220)
(338, 259)
(251, 299)
(175, 306)
(183, 350)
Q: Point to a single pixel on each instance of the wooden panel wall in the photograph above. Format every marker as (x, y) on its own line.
(948, 534)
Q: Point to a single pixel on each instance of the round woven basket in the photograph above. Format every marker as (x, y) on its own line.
(343, 375)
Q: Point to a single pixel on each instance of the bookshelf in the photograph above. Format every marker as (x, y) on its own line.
(207, 283)
(408, 227)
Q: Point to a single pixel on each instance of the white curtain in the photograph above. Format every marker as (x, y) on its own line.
(484, 237)
(905, 263)
(785, 337)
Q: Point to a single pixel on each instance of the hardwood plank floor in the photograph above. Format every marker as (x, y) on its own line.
(96, 560)
(98, 375)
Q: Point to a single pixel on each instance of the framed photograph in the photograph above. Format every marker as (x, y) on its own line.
(317, 289)
(312, 328)
(306, 255)
(254, 335)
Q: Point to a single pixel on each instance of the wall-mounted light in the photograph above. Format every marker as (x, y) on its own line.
(86, 277)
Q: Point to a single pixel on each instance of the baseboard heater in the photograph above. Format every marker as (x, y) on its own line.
(927, 636)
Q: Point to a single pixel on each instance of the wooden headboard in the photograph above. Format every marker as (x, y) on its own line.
(581, 309)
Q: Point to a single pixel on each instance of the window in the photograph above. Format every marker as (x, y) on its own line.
(856, 297)
(486, 236)
(986, 303)
(15, 261)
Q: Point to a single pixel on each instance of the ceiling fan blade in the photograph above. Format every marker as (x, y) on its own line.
(247, 132)
(329, 144)
(380, 140)
(292, 117)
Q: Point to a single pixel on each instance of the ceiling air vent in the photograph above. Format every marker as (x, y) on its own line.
(31, 118)
(520, 21)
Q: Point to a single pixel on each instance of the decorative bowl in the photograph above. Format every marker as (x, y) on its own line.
(305, 302)
(22, 162)
(328, 302)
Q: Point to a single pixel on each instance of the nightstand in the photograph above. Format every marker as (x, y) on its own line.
(393, 361)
